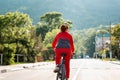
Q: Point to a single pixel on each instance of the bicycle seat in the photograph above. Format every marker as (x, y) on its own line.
(63, 54)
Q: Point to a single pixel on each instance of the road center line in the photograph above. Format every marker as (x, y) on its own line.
(76, 74)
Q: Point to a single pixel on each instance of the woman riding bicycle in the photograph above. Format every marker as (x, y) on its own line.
(63, 43)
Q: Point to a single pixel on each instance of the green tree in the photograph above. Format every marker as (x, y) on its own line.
(116, 40)
(89, 41)
(77, 44)
(101, 33)
(14, 37)
(50, 21)
(15, 19)
(48, 43)
(49, 37)
(41, 29)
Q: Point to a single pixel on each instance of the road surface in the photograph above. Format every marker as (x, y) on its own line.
(81, 69)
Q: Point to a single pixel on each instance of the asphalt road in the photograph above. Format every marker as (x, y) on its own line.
(81, 69)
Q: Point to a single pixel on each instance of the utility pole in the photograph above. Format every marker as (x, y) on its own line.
(102, 47)
(95, 46)
(110, 44)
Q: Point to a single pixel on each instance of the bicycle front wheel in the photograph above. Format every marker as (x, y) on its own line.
(57, 78)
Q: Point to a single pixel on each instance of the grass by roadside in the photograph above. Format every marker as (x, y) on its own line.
(108, 59)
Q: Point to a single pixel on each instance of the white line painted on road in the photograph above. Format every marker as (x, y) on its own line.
(76, 74)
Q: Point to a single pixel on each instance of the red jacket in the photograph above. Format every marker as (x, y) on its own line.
(63, 35)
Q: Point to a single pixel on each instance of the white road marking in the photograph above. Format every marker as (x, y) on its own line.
(76, 74)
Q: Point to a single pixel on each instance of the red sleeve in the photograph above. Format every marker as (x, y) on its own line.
(72, 45)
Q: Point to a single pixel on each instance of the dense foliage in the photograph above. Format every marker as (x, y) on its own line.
(116, 40)
(18, 36)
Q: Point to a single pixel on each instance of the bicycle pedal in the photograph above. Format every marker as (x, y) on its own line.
(60, 76)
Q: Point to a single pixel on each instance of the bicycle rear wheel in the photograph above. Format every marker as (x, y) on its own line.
(61, 75)
(63, 72)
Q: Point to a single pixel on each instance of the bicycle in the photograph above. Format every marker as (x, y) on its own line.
(61, 74)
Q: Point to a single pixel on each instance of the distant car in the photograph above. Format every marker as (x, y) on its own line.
(87, 56)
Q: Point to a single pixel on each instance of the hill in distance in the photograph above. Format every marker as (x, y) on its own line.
(83, 13)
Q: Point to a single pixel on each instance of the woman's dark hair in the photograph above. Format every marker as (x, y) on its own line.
(64, 28)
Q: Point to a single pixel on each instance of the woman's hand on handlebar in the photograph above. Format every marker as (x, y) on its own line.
(72, 55)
